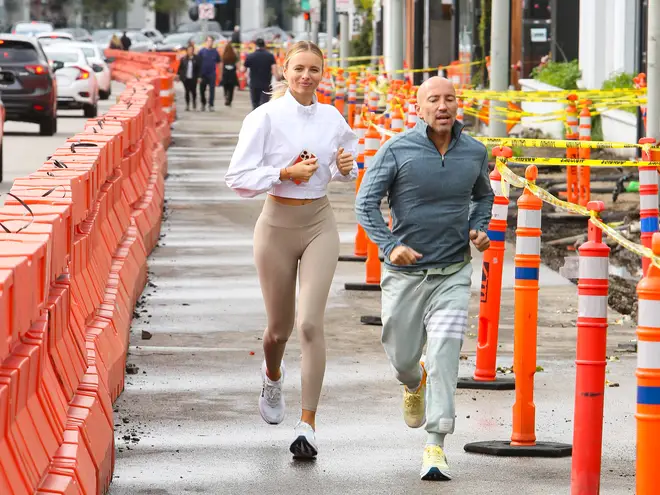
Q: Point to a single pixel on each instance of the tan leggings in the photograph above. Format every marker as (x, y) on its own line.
(284, 236)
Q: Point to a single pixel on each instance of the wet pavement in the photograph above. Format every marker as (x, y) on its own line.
(188, 420)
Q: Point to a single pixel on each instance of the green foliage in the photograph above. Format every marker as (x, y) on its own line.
(562, 75)
(621, 80)
(361, 46)
(104, 7)
(166, 6)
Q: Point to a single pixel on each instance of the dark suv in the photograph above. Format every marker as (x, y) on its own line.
(27, 83)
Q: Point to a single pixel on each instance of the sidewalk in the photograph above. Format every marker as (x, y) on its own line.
(193, 403)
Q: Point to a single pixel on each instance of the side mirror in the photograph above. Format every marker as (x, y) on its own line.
(110, 60)
(97, 68)
(57, 65)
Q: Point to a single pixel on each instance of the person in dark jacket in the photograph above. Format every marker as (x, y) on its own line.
(126, 41)
(210, 60)
(229, 73)
(189, 72)
(263, 68)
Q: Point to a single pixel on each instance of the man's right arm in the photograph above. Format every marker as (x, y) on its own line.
(376, 182)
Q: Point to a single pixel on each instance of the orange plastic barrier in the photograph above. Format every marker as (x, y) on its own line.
(74, 240)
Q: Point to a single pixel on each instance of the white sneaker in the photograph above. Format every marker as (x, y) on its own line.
(271, 400)
(304, 446)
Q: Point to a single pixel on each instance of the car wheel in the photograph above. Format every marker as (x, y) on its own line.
(104, 95)
(48, 127)
(91, 111)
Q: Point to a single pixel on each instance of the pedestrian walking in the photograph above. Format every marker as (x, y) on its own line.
(115, 43)
(189, 72)
(125, 41)
(210, 59)
(229, 73)
(263, 68)
(296, 233)
(437, 182)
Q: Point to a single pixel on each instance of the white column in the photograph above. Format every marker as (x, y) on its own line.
(593, 42)
(252, 14)
(394, 41)
(387, 34)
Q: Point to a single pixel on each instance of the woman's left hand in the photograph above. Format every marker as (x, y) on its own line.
(344, 162)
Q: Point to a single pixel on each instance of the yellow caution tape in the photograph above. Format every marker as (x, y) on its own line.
(581, 162)
(557, 143)
(510, 178)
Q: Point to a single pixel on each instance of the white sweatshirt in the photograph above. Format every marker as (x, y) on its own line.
(273, 136)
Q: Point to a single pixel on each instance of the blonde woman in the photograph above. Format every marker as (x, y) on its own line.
(296, 233)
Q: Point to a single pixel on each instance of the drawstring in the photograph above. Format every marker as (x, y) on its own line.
(426, 276)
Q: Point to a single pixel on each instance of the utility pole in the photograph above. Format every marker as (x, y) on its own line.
(653, 71)
(395, 43)
(344, 37)
(499, 62)
(314, 19)
(330, 29)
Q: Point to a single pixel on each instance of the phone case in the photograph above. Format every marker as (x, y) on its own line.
(304, 155)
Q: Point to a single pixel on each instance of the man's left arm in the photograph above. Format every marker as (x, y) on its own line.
(482, 199)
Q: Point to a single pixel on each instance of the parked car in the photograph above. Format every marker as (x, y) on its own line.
(79, 34)
(99, 65)
(179, 41)
(77, 87)
(32, 28)
(193, 27)
(139, 42)
(27, 83)
(46, 39)
(153, 34)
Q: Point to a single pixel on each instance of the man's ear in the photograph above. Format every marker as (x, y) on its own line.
(417, 108)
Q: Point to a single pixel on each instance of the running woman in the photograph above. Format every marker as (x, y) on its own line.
(296, 233)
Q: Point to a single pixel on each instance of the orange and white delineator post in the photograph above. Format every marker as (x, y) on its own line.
(648, 377)
(485, 374)
(590, 360)
(527, 266)
(584, 173)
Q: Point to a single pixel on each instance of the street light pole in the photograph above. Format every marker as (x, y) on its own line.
(653, 71)
(499, 62)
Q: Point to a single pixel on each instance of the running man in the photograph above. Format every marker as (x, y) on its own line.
(437, 183)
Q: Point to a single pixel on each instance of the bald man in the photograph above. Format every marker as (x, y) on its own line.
(436, 180)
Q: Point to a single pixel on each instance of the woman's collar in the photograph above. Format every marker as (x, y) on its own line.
(303, 109)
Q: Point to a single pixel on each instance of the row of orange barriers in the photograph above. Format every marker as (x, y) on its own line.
(75, 237)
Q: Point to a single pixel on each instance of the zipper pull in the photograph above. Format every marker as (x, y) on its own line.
(443, 160)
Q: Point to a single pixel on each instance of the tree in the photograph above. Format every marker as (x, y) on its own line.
(361, 46)
(166, 6)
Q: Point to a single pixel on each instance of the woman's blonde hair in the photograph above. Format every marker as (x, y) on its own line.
(280, 87)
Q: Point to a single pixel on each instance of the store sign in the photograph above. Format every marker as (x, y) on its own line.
(538, 35)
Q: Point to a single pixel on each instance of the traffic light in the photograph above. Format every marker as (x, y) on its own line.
(306, 16)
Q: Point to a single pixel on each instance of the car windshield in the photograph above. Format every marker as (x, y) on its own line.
(89, 52)
(66, 57)
(102, 35)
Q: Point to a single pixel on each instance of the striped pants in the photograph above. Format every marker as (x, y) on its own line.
(420, 309)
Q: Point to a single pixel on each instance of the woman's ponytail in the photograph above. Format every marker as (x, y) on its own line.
(279, 89)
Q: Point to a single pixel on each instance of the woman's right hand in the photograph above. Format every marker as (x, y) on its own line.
(304, 170)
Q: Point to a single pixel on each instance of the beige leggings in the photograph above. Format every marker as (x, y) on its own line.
(285, 238)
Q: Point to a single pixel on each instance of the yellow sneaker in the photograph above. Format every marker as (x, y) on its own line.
(434, 464)
(414, 403)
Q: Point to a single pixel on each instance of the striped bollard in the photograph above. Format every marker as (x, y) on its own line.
(584, 173)
(527, 263)
(648, 377)
(340, 92)
(352, 99)
(572, 183)
(460, 112)
(360, 249)
(648, 201)
(484, 377)
(372, 261)
(591, 360)
(412, 113)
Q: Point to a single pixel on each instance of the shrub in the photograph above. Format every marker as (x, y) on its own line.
(562, 75)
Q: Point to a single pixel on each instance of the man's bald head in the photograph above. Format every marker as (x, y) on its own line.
(436, 104)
